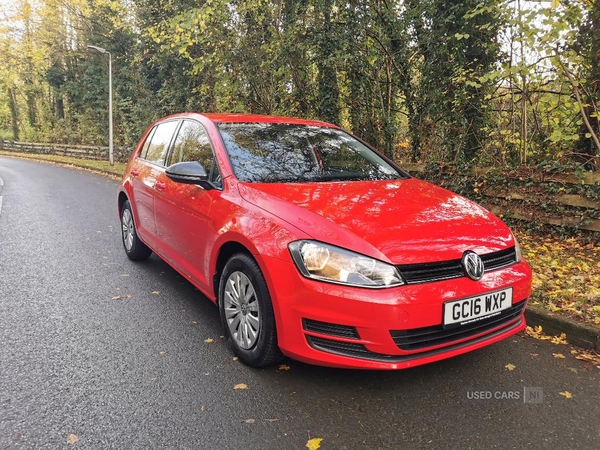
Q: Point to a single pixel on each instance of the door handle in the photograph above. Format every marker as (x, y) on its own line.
(160, 185)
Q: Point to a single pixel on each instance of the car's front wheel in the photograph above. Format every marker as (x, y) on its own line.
(136, 250)
(247, 312)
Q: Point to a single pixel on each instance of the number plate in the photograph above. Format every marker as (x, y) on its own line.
(472, 309)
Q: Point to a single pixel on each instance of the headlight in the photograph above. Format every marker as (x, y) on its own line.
(517, 250)
(333, 264)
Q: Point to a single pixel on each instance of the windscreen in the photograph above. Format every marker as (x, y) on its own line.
(276, 153)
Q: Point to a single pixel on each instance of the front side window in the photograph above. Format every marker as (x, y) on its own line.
(159, 143)
(272, 153)
(192, 144)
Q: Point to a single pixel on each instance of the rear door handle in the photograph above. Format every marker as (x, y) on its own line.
(160, 185)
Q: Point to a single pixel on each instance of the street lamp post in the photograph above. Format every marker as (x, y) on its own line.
(110, 108)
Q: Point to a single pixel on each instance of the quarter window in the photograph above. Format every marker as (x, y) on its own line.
(144, 152)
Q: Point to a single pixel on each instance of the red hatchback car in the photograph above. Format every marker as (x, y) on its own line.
(316, 246)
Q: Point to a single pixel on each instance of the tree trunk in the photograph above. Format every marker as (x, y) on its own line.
(14, 112)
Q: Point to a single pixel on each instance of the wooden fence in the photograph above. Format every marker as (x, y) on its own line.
(555, 198)
(74, 151)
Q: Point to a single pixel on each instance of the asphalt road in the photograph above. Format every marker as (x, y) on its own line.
(120, 355)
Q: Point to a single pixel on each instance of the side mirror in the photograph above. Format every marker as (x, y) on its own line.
(190, 172)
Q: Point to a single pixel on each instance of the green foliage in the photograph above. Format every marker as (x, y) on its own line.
(465, 82)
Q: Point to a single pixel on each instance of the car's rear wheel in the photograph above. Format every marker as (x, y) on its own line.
(247, 312)
(136, 250)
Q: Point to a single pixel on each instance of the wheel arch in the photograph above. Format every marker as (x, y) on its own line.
(122, 199)
(226, 251)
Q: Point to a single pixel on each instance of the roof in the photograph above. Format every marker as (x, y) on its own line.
(258, 118)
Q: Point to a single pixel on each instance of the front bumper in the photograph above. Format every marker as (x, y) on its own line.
(348, 327)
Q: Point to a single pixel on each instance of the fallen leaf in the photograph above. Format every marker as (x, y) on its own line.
(534, 354)
(284, 367)
(202, 409)
(221, 336)
(558, 355)
(116, 297)
(566, 394)
(314, 443)
(156, 292)
(240, 386)
(510, 366)
(163, 352)
(235, 358)
(562, 339)
(271, 420)
(209, 340)
(573, 369)
(124, 274)
(72, 439)
(249, 421)
(194, 322)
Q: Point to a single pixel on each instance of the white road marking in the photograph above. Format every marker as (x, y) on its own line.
(1, 184)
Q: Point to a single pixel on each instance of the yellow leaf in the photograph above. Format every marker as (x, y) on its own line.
(240, 386)
(235, 358)
(314, 443)
(202, 408)
(558, 355)
(510, 366)
(566, 394)
(156, 292)
(284, 367)
(209, 340)
(72, 439)
(555, 3)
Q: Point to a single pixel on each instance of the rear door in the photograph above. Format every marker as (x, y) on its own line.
(146, 171)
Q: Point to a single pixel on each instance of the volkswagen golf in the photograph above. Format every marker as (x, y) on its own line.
(317, 247)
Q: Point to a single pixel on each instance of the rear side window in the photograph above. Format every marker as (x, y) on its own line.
(159, 142)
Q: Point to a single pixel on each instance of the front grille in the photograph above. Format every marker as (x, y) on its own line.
(420, 338)
(330, 328)
(446, 270)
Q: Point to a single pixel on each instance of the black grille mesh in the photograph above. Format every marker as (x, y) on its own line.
(330, 328)
(445, 270)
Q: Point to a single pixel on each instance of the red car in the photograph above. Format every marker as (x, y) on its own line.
(317, 247)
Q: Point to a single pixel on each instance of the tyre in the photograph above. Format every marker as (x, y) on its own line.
(136, 250)
(247, 312)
